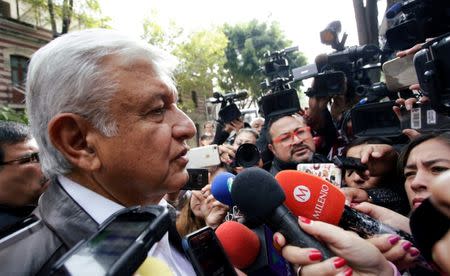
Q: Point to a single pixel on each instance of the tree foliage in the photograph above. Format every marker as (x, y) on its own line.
(228, 58)
(248, 42)
(201, 57)
(9, 114)
(82, 14)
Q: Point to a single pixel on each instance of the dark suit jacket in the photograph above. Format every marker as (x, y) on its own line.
(63, 223)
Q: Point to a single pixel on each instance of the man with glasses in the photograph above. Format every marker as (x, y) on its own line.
(291, 142)
(21, 179)
(103, 111)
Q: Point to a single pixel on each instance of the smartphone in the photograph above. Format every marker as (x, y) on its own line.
(198, 178)
(400, 73)
(119, 246)
(202, 157)
(328, 171)
(206, 254)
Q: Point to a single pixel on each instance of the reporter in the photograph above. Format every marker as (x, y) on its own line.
(422, 160)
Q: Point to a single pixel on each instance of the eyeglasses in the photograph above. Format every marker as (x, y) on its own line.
(301, 133)
(32, 158)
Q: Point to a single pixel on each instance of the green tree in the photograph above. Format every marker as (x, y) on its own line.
(201, 58)
(9, 114)
(82, 14)
(248, 42)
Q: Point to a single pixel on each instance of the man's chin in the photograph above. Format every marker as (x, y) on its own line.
(302, 156)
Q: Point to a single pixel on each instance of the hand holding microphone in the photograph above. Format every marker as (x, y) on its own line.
(315, 198)
(357, 255)
(258, 194)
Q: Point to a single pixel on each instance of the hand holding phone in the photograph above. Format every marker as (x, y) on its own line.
(202, 157)
(207, 254)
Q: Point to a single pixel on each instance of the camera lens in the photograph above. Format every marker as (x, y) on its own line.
(247, 155)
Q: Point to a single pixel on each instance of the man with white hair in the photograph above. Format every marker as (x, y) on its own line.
(103, 111)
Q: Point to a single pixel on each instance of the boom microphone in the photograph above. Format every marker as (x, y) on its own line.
(252, 250)
(257, 193)
(315, 198)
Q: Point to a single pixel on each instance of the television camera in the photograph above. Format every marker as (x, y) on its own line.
(228, 109)
(411, 22)
(281, 98)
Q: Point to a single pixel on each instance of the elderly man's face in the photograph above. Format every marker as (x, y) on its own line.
(147, 158)
(21, 181)
(291, 140)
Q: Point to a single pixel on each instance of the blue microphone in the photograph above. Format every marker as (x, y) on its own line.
(221, 188)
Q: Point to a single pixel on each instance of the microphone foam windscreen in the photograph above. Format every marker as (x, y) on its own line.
(221, 187)
(239, 242)
(311, 196)
(428, 225)
(256, 192)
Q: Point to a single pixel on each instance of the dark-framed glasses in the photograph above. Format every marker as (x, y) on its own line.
(32, 158)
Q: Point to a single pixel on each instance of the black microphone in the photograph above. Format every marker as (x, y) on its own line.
(257, 193)
(428, 225)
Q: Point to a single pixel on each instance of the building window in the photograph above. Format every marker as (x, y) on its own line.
(19, 67)
(194, 98)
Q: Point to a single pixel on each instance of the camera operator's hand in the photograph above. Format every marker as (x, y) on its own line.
(235, 125)
(394, 249)
(379, 158)
(408, 105)
(361, 257)
(384, 215)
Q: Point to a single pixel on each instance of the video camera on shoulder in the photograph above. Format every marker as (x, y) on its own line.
(413, 21)
(342, 71)
(281, 98)
(432, 65)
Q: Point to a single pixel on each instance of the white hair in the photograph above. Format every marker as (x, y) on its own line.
(67, 75)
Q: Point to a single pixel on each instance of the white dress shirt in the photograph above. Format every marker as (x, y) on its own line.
(104, 208)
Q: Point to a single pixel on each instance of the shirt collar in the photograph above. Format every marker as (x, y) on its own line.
(103, 207)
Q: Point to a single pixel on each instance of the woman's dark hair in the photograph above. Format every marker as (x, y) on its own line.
(404, 155)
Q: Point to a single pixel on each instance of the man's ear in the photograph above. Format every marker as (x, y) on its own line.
(68, 133)
(270, 147)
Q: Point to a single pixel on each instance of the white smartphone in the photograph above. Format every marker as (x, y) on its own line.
(400, 73)
(202, 157)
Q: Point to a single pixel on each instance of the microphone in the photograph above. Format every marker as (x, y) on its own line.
(428, 225)
(257, 193)
(315, 198)
(252, 250)
(221, 188)
(153, 266)
(239, 242)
